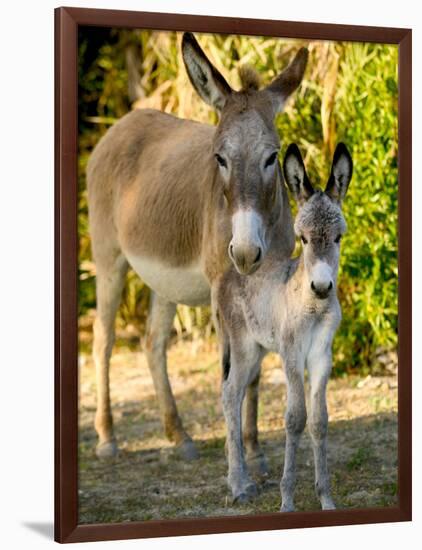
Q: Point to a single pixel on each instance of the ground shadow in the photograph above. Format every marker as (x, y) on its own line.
(44, 529)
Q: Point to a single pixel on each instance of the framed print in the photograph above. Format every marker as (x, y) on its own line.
(233, 274)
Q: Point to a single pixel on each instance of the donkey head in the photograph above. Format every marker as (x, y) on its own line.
(245, 148)
(319, 222)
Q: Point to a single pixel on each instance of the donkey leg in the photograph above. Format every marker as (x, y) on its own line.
(109, 284)
(255, 457)
(160, 322)
(318, 426)
(295, 423)
(238, 369)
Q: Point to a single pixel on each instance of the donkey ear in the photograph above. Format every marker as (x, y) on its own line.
(205, 78)
(341, 174)
(296, 176)
(287, 82)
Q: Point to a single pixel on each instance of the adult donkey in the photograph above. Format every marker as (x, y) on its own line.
(176, 200)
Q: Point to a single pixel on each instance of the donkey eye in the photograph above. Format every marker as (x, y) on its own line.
(337, 239)
(305, 241)
(221, 161)
(271, 160)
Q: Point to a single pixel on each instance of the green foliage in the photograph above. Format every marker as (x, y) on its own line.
(359, 458)
(349, 94)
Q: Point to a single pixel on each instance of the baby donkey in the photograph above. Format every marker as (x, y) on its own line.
(290, 307)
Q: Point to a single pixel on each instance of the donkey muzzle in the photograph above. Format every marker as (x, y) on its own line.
(321, 277)
(246, 248)
(321, 290)
(246, 259)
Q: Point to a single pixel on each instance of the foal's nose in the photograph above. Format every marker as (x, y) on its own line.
(321, 288)
(245, 258)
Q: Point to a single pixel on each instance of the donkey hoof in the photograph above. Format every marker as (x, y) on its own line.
(107, 449)
(187, 450)
(328, 504)
(287, 508)
(258, 465)
(249, 493)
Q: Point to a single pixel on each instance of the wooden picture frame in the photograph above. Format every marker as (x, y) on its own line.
(67, 21)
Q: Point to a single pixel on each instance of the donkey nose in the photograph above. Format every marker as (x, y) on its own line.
(321, 289)
(245, 258)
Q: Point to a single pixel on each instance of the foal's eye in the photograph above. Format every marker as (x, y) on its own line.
(337, 239)
(221, 161)
(305, 241)
(271, 160)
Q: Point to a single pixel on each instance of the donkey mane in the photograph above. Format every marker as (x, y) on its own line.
(318, 212)
(249, 78)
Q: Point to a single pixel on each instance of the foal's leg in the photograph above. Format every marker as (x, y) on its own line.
(238, 369)
(109, 283)
(160, 322)
(254, 454)
(295, 423)
(319, 366)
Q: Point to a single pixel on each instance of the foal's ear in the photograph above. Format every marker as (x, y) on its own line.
(207, 81)
(295, 174)
(341, 174)
(287, 82)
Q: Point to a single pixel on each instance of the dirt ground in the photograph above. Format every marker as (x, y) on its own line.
(147, 480)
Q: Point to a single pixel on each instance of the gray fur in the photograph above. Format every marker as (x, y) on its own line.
(279, 309)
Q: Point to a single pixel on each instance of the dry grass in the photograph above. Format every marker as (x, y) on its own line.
(147, 480)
